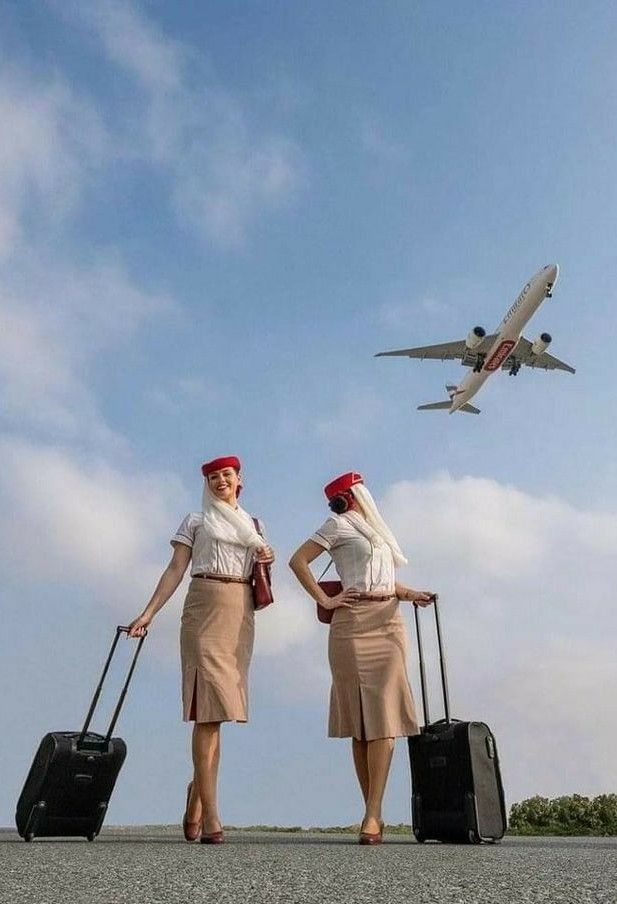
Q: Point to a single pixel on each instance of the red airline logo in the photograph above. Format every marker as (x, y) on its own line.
(499, 355)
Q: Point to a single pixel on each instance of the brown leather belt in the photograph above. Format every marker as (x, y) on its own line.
(374, 599)
(223, 578)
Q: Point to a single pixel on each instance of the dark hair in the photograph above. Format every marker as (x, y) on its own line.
(340, 503)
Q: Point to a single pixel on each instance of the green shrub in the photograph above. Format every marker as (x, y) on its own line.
(570, 815)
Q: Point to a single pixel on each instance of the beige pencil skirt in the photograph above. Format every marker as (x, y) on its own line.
(216, 644)
(370, 697)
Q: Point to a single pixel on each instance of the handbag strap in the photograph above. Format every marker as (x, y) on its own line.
(326, 569)
(260, 532)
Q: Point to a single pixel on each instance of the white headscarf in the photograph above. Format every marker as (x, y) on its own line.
(376, 522)
(228, 524)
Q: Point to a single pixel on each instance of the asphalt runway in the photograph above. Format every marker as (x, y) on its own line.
(153, 864)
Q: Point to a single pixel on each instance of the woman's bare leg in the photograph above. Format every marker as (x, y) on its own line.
(361, 764)
(379, 758)
(206, 758)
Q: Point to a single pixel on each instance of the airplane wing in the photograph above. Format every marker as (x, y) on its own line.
(543, 361)
(444, 351)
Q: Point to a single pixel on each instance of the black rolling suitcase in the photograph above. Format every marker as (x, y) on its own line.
(73, 774)
(457, 793)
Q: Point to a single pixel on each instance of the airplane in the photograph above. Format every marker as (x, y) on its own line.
(506, 348)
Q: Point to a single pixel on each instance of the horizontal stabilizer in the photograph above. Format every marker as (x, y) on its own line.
(435, 406)
(446, 406)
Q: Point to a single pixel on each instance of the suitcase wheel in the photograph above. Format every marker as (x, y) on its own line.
(474, 838)
(420, 838)
(91, 836)
(29, 836)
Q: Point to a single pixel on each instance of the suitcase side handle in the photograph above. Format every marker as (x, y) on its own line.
(119, 630)
(442, 664)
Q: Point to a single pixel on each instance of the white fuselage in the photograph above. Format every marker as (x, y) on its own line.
(508, 332)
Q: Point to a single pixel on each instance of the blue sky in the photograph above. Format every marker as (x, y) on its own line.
(211, 217)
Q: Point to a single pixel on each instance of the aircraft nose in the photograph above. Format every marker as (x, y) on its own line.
(551, 273)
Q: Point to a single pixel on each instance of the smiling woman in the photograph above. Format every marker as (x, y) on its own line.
(216, 639)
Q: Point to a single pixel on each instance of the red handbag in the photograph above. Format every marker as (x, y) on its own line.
(261, 584)
(330, 588)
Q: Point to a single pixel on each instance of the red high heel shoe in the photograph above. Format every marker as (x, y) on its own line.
(191, 830)
(372, 837)
(213, 837)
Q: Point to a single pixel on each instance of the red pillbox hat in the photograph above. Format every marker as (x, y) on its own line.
(217, 464)
(342, 483)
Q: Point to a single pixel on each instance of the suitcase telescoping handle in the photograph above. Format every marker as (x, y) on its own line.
(442, 664)
(119, 630)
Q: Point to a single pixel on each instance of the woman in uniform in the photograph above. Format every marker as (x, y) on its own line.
(370, 699)
(216, 639)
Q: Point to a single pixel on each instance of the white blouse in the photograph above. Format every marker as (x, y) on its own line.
(360, 564)
(213, 556)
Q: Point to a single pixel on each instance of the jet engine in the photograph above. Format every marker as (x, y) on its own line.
(475, 337)
(541, 344)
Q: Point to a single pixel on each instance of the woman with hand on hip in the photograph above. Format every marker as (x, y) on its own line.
(216, 639)
(370, 699)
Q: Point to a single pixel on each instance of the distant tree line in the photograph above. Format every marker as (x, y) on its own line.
(573, 815)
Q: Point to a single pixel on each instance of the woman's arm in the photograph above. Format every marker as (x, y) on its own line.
(166, 587)
(421, 597)
(299, 564)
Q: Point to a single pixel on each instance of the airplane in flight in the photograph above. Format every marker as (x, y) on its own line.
(506, 348)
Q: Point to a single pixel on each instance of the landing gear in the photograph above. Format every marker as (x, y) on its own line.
(548, 292)
(480, 359)
(514, 369)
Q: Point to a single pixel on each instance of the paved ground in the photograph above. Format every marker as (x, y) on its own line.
(153, 865)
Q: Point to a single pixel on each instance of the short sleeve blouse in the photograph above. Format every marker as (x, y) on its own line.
(360, 564)
(213, 556)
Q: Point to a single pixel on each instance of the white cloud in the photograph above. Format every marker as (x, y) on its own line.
(221, 187)
(55, 316)
(50, 141)
(134, 43)
(494, 532)
(224, 171)
(290, 621)
(291, 647)
(527, 588)
(84, 520)
(83, 514)
(54, 320)
(561, 734)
